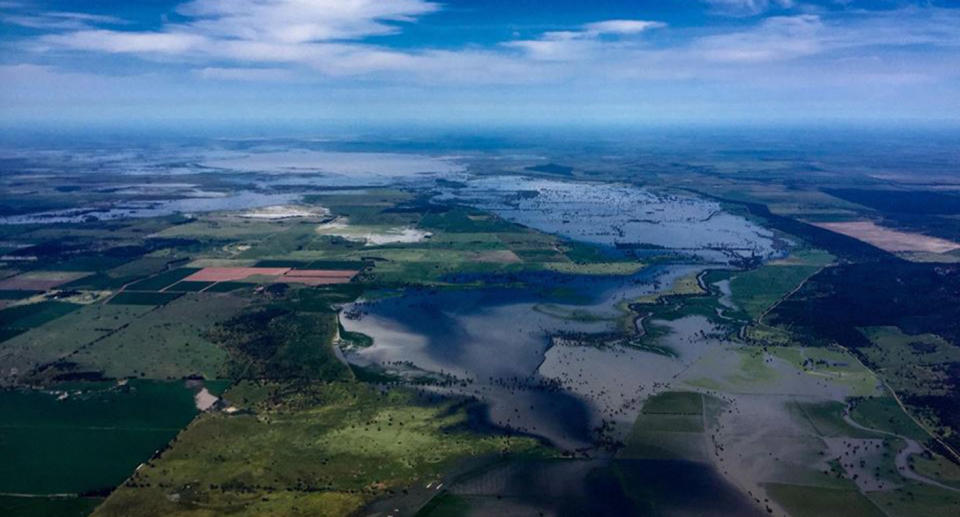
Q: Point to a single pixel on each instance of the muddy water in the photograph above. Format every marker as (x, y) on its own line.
(498, 338)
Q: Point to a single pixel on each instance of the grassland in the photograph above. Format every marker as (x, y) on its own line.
(884, 413)
(912, 364)
(757, 290)
(309, 438)
(325, 449)
(917, 499)
(804, 501)
(61, 337)
(170, 343)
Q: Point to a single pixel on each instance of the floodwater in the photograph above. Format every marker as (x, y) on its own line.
(602, 488)
(497, 339)
(240, 201)
(623, 215)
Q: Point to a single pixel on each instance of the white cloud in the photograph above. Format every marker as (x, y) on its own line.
(621, 26)
(776, 38)
(299, 21)
(747, 7)
(582, 43)
(126, 41)
(276, 40)
(245, 74)
(57, 20)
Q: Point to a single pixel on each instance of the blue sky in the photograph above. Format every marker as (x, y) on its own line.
(481, 62)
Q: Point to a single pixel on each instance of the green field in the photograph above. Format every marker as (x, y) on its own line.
(170, 343)
(90, 440)
(674, 403)
(804, 501)
(884, 413)
(143, 298)
(48, 506)
(322, 449)
(757, 290)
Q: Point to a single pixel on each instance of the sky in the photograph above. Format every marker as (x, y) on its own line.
(475, 63)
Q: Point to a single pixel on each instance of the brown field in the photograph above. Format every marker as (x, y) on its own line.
(226, 274)
(318, 276)
(40, 281)
(889, 239)
(272, 274)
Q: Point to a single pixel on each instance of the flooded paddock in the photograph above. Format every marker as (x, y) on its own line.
(618, 215)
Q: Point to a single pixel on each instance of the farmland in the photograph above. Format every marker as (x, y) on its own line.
(517, 337)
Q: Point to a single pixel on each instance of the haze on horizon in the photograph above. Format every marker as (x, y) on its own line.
(468, 63)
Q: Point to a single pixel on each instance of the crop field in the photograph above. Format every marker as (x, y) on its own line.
(40, 280)
(187, 286)
(47, 506)
(662, 334)
(21, 318)
(60, 337)
(160, 281)
(804, 501)
(170, 343)
(81, 438)
(917, 499)
(890, 239)
(671, 426)
(757, 290)
(143, 298)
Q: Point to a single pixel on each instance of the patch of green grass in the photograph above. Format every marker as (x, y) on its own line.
(804, 501)
(756, 290)
(911, 364)
(192, 502)
(226, 287)
(34, 314)
(158, 282)
(339, 439)
(674, 403)
(463, 220)
(827, 419)
(60, 337)
(445, 505)
(189, 287)
(937, 467)
(885, 414)
(169, 342)
(670, 427)
(917, 499)
(143, 298)
(97, 282)
(21, 318)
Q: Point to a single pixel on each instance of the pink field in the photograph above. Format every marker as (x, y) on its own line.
(226, 274)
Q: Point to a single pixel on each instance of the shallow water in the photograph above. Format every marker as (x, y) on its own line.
(611, 214)
(603, 487)
(239, 201)
(498, 338)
